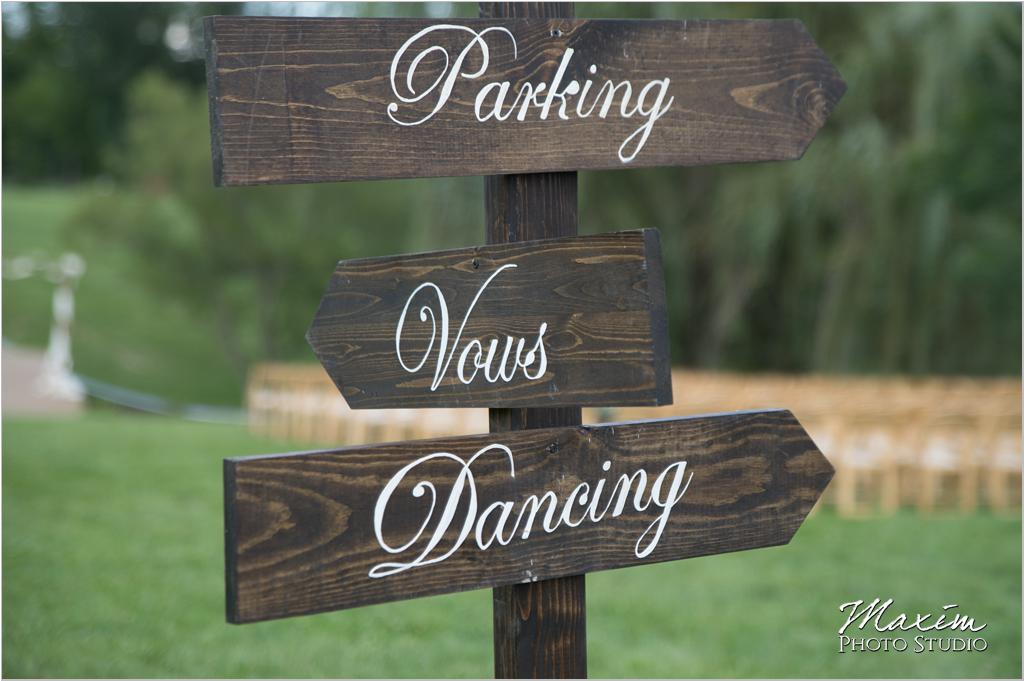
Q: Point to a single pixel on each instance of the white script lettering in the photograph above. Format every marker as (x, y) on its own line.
(473, 353)
(495, 99)
(442, 532)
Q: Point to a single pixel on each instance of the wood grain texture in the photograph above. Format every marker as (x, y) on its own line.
(306, 100)
(300, 532)
(540, 629)
(602, 299)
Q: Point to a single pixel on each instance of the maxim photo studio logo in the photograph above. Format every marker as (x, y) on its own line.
(878, 627)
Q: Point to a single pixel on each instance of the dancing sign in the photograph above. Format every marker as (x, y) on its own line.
(339, 529)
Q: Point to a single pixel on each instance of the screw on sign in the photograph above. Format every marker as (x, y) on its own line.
(534, 325)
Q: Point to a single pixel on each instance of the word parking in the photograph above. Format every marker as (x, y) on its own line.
(495, 99)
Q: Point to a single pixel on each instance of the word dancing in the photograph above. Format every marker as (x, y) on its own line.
(497, 99)
(502, 522)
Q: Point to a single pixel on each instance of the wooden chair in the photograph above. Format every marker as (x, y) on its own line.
(1003, 463)
(861, 457)
(949, 452)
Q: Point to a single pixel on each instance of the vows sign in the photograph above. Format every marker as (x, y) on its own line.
(338, 529)
(348, 99)
(576, 321)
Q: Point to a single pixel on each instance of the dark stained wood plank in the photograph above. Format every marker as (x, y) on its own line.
(540, 629)
(572, 321)
(306, 531)
(314, 100)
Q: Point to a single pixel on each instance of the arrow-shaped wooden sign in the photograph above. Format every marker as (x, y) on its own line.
(555, 322)
(317, 100)
(329, 530)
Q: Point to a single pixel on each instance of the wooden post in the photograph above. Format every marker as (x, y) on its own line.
(540, 629)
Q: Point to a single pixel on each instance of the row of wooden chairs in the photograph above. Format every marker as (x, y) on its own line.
(895, 442)
(927, 461)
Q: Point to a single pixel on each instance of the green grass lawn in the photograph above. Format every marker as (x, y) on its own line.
(124, 334)
(113, 566)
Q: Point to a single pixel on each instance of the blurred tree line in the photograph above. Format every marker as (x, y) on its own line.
(67, 68)
(894, 245)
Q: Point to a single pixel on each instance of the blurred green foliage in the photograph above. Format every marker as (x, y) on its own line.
(67, 67)
(125, 334)
(892, 246)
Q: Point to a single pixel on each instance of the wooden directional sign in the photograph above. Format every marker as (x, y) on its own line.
(556, 322)
(316, 100)
(328, 530)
